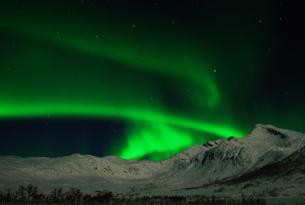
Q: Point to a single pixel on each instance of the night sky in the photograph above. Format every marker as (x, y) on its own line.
(146, 79)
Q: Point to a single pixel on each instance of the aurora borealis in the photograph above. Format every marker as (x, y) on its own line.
(162, 75)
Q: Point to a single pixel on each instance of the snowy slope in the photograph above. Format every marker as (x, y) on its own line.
(200, 169)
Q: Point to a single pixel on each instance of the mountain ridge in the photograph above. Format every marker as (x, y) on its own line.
(222, 162)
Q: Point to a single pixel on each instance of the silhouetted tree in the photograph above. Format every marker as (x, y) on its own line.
(74, 196)
(21, 193)
(32, 193)
(56, 195)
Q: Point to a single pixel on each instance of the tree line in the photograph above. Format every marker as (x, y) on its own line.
(30, 195)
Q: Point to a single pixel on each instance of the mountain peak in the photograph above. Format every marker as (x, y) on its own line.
(264, 131)
(270, 131)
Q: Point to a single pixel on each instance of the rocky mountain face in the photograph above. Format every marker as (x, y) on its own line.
(269, 161)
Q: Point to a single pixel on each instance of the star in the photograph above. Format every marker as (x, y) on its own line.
(260, 20)
(213, 67)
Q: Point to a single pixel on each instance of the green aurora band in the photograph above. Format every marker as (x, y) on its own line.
(156, 139)
(176, 57)
(159, 136)
(155, 130)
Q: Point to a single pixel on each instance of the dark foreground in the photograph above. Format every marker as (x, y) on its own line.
(30, 195)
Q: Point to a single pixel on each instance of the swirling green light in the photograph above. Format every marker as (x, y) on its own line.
(164, 53)
(158, 139)
(91, 110)
(45, 83)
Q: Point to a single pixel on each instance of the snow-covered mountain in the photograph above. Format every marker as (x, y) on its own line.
(269, 160)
